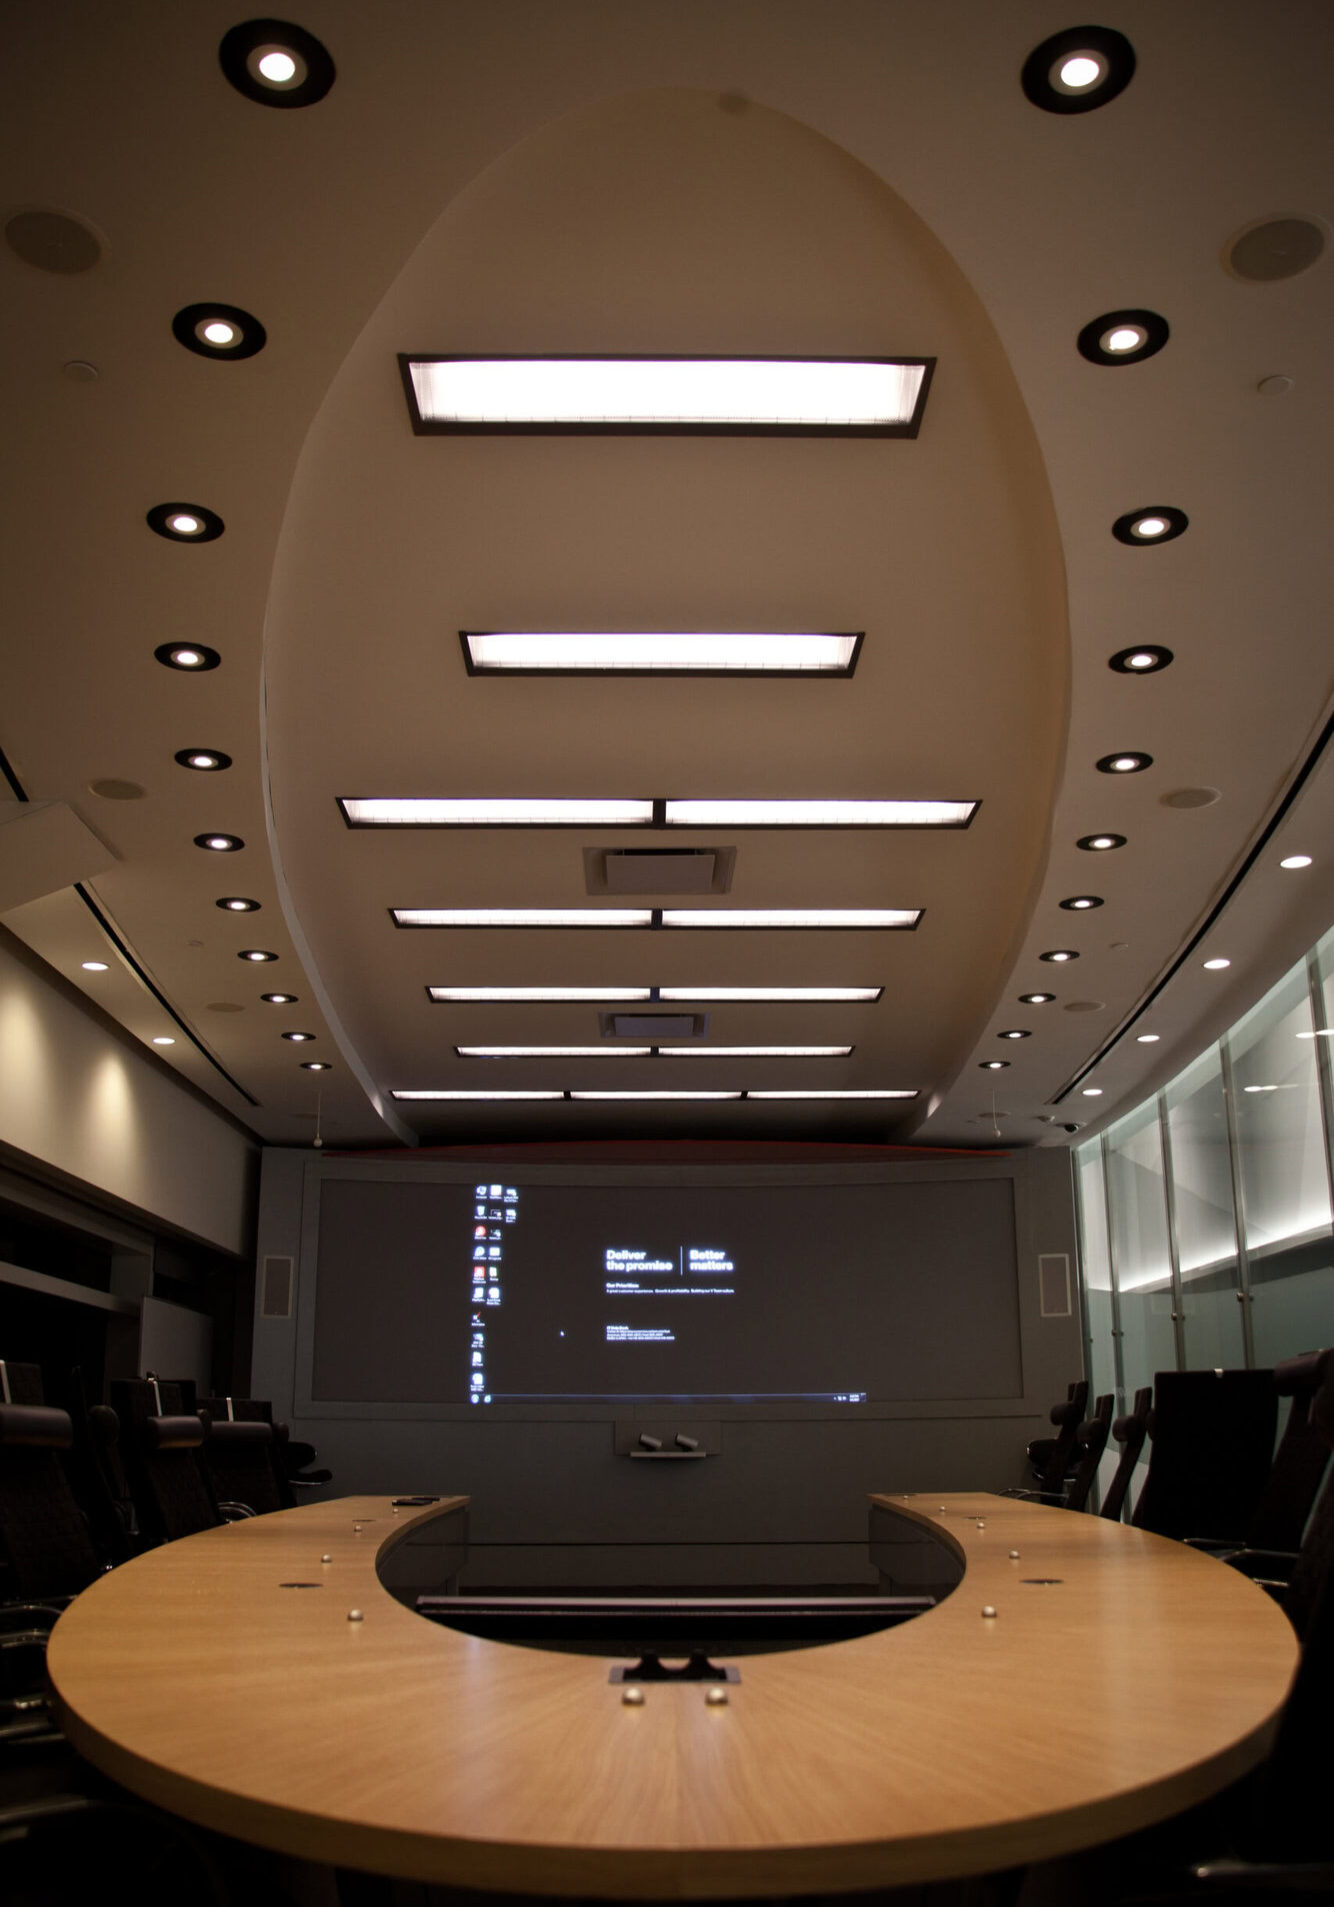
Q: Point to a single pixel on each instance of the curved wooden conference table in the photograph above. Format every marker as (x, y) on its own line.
(1146, 1678)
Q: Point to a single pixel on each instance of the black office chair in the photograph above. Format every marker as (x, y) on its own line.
(293, 1459)
(1052, 1457)
(1212, 1445)
(162, 1447)
(1273, 1536)
(241, 1460)
(1129, 1431)
(1090, 1442)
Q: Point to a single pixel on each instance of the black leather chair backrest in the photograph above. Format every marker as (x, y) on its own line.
(1091, 1441)
(21, 1383)
(1129, 1431)
(240, 1458)
(1067, 1417)
(1213, 1442)
(162, 1443)
(46, 1541)
(1299, 1462)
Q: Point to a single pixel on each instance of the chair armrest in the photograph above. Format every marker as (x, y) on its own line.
(1295, 1877)
(234, 1512)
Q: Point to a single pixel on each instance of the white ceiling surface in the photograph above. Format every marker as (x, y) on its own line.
(766, 178)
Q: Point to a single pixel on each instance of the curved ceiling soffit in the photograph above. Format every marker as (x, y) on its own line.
(668, 221)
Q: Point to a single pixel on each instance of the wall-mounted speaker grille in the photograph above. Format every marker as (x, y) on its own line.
(277, 1281)
(1054, 1284)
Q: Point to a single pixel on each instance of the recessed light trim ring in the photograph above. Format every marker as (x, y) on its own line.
(1102, 843)
(1082, 903)
(218, 331)
(256, 954)
(1139, 528)
(238, 904)
(203, 760)
(170, 520)
(172, 655)
(220, 843)
(1109, 51)
(1036, 999)
(1059, 955)
(246, 45)
(1126, 761)
(1100, 340)
(1144, 658)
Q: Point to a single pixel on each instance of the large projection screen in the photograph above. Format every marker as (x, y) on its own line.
(498, 1291)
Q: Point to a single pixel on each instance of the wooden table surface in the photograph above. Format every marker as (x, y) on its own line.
(1147, 1677)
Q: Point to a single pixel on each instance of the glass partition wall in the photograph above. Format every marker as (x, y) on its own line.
(1205, 1214)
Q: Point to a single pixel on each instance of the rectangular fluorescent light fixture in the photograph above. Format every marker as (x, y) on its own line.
(903, 917)
(611, 1095)
(631, 396)
(819, 814)
(844, 995)
(463, 996)
(522, 916)
(852, 1092)
(476, 1095)
(758, 1052)
(486, 812)
(656, 652)
(553, 1052)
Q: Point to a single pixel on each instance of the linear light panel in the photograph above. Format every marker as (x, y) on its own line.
(614, 1095)
(500, 995)
(485, 812)
(656, 652)
(880, 397)
(757, 1052)
(733, 917)
(398, 1094)
(819, 814)
(700, 995)
(553, 1052)
(851, 1092)
(904, 917)
(522, 916)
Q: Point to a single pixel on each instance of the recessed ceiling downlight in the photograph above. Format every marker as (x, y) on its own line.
(1155, 523)
(993, 1065)
(298, 1038)
(191, 656)
(238, 904)
(317, 1065)
(218, 331)
(1147, 1039)
(1217, 964)
(220, 843)
(256, 953)
(1146, 658)
(1015, 1033)
(646, 652)
(708, 396)
(275, 63)
(278, 999)
(1078, 70)
(1291, 861)
(1058, 955)
(93, 966)
(1036, 999)
(185, 522)
(206, 760)
(1123, 337)
(164, 1039)
(1081, 903)
(1100, 843)
(1128, 761)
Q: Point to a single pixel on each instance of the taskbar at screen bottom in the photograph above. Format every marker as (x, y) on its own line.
(670, 1397)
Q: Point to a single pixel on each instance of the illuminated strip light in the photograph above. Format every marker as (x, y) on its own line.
(484, 812)
(467, 811)
(731, 917)
(851, 1092)
(554, 1052)
(501, 995)
(609, 1051)
(398, 1094)
(650, 1095)
(869, 397)
(757, 1052)
(522, 916)
(819, 814)
(657, 652)
(865, 917)
(795, 995)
